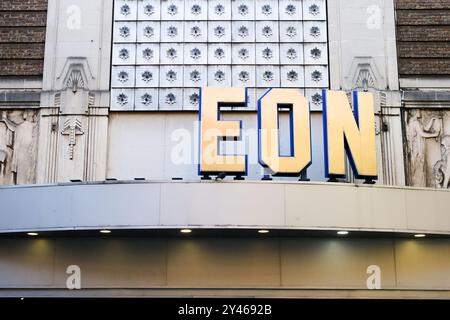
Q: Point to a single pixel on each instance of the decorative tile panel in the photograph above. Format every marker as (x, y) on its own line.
(164, 50)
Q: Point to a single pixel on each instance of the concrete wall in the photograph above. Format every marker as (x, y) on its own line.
(161, 146)
(220, 266)
(362, 43)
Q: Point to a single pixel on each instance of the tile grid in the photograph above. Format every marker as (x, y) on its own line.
(176, 94)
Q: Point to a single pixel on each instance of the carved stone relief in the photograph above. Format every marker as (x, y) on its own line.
(428, 146)
(18, 141)
(364, 74)
(73, 127)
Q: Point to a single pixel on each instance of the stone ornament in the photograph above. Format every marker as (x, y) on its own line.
(18, 141)
(147, 76)
(195, 76)
(196, 9)
(219, 9)
(314, 9)
(266, 10)
(243, 9)
(122, 99)
(72, 128)
(196, 31)
(291, 9)
(219, 53)
(243, 31)
(314, 31)
(123, 76)
(267, 53)
(125, 10)
(172, 31)
(196, 54)
(171, 53)
(292, 76)
(316, 75)
(291, 31)
(244, 76)
(426, 142)
(149, 10)
(147, 54)
(291, 53)
(171, 99)
(146, 99)
(171, 76)
(148, 32)
(219, 31)
(243, 54)
(194, 99)
(75, 81)
(124, 54)
(441, 170)
(267, 31)
(268, 76)
(124, 31)
(316, 99)
(219, 76)
(316, 53)
(172, 10)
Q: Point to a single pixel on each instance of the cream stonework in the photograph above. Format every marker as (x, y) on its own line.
(74, 117)
(77, 157)
(77, 136)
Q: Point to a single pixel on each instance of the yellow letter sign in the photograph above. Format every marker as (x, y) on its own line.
(351, 133)
(212, 130)
(268, 132)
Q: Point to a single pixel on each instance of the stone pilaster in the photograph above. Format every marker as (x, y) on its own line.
(74, 101)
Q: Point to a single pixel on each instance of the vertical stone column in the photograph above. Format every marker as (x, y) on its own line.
(75, 97)
(391, 167)
(363, 57)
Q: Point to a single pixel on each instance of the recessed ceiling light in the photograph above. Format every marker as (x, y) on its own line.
(420, 235)
(263, 231)
(185, 230)
(32, 234)
(342, 233)
(105, 231)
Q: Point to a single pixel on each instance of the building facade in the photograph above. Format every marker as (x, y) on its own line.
(99, 109)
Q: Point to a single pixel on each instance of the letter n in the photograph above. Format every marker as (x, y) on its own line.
(351, 133)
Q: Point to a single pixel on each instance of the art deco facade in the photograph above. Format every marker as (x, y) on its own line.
(99, 99)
